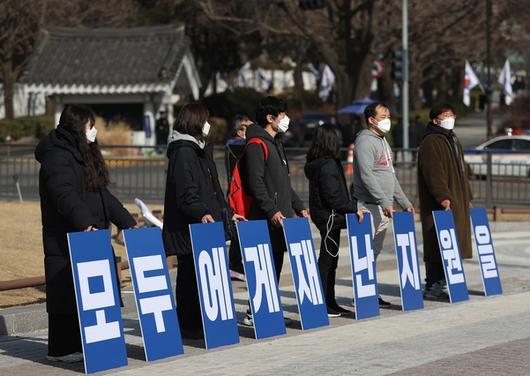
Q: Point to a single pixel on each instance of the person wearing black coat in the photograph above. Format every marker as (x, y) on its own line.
(193, 195)
(329, 201)
(74, 197)
(267, 180)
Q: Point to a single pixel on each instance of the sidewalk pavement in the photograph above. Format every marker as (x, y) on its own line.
(485, 336)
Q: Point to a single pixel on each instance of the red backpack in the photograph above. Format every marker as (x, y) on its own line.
(240, 202)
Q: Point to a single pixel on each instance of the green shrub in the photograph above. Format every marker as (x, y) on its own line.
(32, 126)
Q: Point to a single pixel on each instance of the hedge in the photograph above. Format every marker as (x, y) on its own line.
(33, 126)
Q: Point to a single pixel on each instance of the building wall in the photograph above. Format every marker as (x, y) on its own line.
(25, 104)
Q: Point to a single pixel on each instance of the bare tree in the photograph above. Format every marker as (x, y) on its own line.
(347, 34)
(342, 33)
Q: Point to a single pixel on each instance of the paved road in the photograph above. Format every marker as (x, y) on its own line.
(485, 336)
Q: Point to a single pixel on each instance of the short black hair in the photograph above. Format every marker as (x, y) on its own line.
(269, 106)
(438, 109)
(371, 110)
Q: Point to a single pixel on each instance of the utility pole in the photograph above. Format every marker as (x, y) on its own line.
(489, 119)
(405, 89)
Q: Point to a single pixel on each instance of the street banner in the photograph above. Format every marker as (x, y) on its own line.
(306, 276)
(407, 260)
(260, 275)
(97, 297)
(153, 293)
(450, 253)
(363, 266)
(486, 253)
(213, 282)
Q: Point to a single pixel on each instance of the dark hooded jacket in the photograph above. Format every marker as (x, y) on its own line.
(442, 175)
(267, 181)
(68, 206)
(192, 191)
(328, 192)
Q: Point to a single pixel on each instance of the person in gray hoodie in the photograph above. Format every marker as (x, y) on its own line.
(375, 185)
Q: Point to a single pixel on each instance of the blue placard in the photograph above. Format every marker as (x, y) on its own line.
(486, 253)
(260, 275)
(450, 253)
(407, 260)
(213, 282)
(306, 276)
(97, 296)
(153, 293)
(363, 266)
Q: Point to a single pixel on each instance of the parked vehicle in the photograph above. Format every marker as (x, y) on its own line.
(510, 156)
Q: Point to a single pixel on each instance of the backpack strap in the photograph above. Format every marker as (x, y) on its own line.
(259, 141)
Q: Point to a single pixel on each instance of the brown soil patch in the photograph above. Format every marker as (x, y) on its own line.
(21, 249)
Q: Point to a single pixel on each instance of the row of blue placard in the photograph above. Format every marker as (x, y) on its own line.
(97, 291)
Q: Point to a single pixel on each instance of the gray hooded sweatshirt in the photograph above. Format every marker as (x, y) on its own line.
(374, 179)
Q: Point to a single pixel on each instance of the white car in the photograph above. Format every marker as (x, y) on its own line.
(510, 156)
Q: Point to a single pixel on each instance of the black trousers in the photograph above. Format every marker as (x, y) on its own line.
(278, 249)
(234, 254)
(434, 272)
(327, 264)
(187, 295)
(64, 336)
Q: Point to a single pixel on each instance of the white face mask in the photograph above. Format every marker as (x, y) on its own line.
(284, 124)
(91, 134)
(448, 123)
(384, 125)
(206, 129)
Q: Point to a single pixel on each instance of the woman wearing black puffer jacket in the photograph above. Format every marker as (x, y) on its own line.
(193, 195)
(329, 201)
(73, 182)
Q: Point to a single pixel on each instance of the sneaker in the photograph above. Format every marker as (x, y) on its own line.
(69, 358)
(436, 291)
(333, 313)
(247, 320)
(383, 303)
(237, 276)
(341, 310)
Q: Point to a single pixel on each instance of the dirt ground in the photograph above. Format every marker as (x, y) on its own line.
(21, 249)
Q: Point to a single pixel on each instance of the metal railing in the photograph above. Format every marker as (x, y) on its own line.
(139, 171)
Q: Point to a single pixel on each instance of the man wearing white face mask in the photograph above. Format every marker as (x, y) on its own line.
(265, 176)
(375, 185)
(442, 184)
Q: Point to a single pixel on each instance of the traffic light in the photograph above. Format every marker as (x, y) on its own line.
(397, 65)
(312, 4)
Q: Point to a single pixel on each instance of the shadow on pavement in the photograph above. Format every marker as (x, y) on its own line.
(135, 352)
(34, 350)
